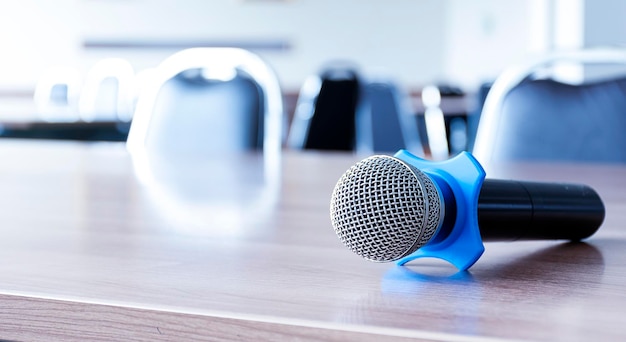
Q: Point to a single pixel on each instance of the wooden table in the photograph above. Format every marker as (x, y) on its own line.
(220, 251)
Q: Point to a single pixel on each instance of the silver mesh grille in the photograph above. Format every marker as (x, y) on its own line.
(383, 209)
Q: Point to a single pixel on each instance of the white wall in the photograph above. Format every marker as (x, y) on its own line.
(35, 34)
(415, 41)
(402, 37)
(485, 36)
(604, 23)
(604, 26)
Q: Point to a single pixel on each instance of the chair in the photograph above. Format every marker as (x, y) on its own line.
(385, 121)
(325, 111)
(341, 110)
(206, 105)
(529, 118)
(209, 101)
(56, 94)
(108, 92)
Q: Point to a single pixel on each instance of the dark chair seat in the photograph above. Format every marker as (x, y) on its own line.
(528, 115)
(325, 112)
(229, 114)
(385, 121)
(549, 120)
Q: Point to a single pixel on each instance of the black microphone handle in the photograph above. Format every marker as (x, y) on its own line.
(518, 210)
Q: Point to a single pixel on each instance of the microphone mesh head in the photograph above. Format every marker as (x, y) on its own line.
(384, 209)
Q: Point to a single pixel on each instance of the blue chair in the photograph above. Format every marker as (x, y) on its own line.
(526, 117)
(213, 106)
(209, 101)
(108, 91)
(57, 93)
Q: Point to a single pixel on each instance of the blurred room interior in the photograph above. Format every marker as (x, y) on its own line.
(456, 45)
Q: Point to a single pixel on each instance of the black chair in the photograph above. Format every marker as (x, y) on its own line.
(385, 121)
(341, 110)
(530, 118)
(325, 112)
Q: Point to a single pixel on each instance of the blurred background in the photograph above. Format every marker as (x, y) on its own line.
(457, 45)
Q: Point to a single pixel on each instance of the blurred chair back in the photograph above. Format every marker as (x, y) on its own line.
(108, 91)
(57, 93)
(385, 121)
(529, 118)
(325, 111)
(209, 101)
(474, 116)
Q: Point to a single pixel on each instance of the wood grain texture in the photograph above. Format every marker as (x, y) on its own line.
(208, 252)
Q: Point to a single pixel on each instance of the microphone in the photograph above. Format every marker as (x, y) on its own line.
(403, 207)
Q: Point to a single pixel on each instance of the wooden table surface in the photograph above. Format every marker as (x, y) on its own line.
(93, 250)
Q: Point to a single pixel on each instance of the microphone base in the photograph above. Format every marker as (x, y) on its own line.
(461, 244)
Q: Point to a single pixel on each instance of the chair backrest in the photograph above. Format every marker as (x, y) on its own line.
(209, 101)
(57, 93)
(543, 119)
(108, 91)
(385, 121)
(325, 111)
